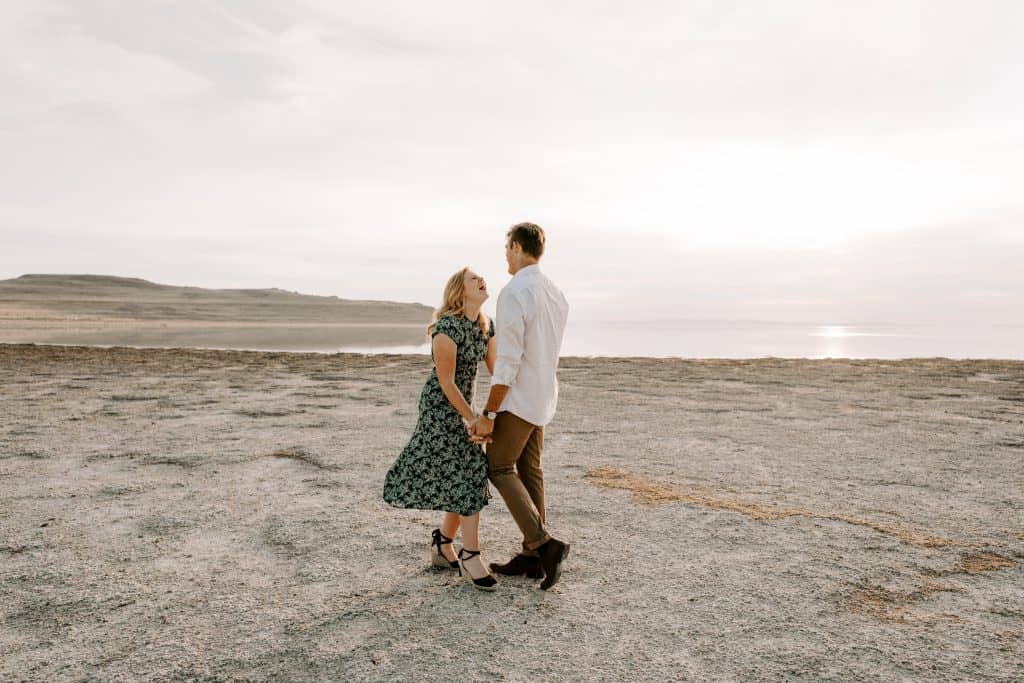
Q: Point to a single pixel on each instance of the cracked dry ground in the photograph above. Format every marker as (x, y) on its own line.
(215, 515)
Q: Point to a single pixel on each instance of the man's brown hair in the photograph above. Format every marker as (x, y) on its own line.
(529, 236)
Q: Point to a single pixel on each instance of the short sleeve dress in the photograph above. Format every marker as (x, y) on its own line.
(440, 468)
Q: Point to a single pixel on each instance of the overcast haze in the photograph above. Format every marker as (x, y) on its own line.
(783, 160)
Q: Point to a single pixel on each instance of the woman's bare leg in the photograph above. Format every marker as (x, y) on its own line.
(471, 541)
(449, 527)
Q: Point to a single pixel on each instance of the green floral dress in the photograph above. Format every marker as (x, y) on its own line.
(440, 468)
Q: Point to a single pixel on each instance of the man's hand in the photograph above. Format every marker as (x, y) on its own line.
(482, 428)
(473, 436)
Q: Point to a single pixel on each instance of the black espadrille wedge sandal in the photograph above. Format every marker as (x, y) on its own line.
(485, 583)
(437, 558)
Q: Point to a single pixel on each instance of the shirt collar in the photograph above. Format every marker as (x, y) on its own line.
(527, 270)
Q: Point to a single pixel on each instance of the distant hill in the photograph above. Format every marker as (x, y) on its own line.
(107, 296)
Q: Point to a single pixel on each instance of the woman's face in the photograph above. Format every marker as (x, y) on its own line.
(475, 287)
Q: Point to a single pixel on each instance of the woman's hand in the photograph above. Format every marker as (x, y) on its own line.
(477, 438)
(482, 428)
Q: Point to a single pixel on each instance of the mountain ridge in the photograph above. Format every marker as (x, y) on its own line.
(136, 298)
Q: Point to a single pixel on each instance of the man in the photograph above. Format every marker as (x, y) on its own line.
(529, 326)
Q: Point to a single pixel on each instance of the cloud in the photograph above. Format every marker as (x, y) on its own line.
(60, 67)
(959, 274)
(361, 148)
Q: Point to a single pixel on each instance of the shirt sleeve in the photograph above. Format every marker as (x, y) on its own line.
(510, 328)
(448, 327)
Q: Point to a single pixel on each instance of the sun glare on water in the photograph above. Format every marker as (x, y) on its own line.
(833, 331)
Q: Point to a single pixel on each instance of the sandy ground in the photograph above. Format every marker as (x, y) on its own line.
(201, 515)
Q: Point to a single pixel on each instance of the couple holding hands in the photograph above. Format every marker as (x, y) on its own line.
(444, 466)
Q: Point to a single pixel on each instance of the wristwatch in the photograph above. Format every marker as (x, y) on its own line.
(490, 415)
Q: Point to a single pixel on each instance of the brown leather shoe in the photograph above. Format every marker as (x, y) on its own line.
(552, 554)
(519, 565)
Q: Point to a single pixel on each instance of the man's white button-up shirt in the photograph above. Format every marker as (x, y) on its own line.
(529, 327)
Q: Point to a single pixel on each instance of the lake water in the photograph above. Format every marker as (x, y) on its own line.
(723, 339)
(678, 338)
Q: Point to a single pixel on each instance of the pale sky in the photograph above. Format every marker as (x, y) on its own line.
(760, 160)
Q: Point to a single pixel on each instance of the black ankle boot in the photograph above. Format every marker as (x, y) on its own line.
(520, 565)
(552, 554)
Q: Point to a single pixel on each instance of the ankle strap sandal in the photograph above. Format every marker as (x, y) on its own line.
(437, 558)
(485, 583)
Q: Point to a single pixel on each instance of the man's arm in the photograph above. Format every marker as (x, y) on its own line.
(495, 398)
(510, 331)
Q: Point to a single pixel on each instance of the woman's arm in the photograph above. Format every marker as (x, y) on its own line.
(492, 354)
(444, 360)
(511, 329)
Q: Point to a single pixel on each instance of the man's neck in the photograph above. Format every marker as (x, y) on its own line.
(525, 264)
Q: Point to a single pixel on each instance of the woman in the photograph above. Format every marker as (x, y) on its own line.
(441, 468)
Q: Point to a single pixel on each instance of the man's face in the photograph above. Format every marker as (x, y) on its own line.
(508, 254)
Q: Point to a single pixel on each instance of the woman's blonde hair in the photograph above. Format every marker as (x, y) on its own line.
(453, 302)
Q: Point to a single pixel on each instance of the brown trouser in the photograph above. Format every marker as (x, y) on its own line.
(513, 459)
